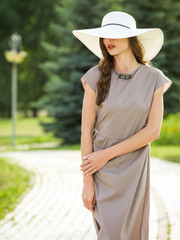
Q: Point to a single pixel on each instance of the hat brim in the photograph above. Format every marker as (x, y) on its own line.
(152, 38)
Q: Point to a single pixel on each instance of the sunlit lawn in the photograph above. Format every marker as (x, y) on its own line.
(28, 131)
(169, 153)
(14, 181)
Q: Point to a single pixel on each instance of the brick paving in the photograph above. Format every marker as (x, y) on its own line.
(165, 188)
(52, 209)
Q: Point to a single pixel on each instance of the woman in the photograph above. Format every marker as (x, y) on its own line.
(124, 99)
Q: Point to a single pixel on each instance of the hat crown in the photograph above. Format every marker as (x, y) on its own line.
(119, 18)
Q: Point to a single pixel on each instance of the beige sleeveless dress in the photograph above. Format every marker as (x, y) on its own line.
(122, 185)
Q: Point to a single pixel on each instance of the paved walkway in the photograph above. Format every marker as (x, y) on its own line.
(53, 210)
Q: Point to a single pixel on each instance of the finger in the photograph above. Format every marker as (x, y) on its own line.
(90, 206)
(88, 170)
(90, 173)
(86, 167)
(84, 163)
(85, 157)
(85, 203)
(94, 200)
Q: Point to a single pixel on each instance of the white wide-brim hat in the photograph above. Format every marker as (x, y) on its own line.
(116, 25)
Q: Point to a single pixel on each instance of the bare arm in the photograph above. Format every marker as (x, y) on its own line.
(151, 132)
(87, 129)
(147, 134)
(87, 123)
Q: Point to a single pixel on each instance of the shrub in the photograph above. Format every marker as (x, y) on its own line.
(170, 131)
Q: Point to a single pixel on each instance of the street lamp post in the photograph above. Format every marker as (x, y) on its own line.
(14, 56)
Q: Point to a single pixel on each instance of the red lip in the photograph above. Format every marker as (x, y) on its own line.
(111, 46)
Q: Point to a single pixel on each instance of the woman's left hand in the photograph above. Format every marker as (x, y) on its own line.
(94, 161)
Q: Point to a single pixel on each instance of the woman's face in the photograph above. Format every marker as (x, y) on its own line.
(117, 46)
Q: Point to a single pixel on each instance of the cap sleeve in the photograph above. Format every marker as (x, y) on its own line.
(162, 80)
(91, 77)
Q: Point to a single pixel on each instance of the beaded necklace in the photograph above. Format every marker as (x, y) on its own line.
(126, 76)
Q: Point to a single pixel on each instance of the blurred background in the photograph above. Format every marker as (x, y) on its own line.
(49, 90)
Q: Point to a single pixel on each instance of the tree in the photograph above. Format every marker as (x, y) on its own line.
(5, 74)
(163, 14)
(64, 90)
(31, 21)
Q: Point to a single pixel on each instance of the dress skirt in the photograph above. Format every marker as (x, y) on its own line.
(122, 194)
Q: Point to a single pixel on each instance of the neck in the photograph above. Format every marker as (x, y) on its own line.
(125, 62)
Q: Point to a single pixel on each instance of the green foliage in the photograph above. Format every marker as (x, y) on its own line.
(14, 181)
(162, 14)
(57, 57)
(170, 131)
(64, 90)
(31, 19)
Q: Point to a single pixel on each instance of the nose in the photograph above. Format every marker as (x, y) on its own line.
(108, 39)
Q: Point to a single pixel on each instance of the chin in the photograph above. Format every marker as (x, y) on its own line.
(112, 54)
(115, 53)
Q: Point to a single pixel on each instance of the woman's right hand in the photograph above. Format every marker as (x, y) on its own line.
(88, 196)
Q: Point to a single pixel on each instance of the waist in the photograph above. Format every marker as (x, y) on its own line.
(107, 137)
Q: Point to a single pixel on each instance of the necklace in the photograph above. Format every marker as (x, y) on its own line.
(126, 76)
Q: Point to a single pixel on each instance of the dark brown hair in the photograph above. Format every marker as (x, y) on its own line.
(106, 66)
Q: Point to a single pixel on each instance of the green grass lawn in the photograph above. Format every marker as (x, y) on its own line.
(14, 181)
(25, 126)
(169, 152)
(28, 131)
